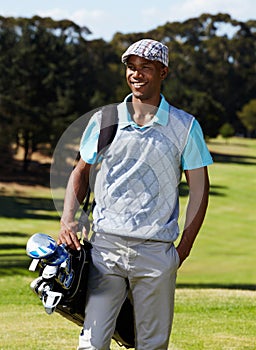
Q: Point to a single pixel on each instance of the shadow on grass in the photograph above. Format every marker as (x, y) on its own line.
(15, 264)
(217, 286)
(13, 258)
(10, 246)
(215, 190)
(27, 208)
(234, 159)
(37, 174)
(14, 234)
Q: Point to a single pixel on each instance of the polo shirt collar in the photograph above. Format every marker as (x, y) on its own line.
(161, 117)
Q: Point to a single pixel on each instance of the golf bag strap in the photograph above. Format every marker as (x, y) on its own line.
(108, 128)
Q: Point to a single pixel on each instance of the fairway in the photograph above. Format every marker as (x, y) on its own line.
(216, 293)
(214, 319)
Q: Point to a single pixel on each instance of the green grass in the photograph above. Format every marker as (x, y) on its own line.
(224, 252)
(213, 319)
(23, 213)
(215, 298)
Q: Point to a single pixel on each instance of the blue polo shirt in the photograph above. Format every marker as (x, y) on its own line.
(136, 180)
(194, 155)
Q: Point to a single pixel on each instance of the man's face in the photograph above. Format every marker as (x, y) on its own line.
(144, 77)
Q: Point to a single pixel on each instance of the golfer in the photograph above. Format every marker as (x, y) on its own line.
(135, 218)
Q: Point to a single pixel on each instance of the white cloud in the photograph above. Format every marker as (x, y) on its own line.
(104, 19)
(93, 19)
(55, 13)
(184, 9)
(153, 16)
(78, 16)
(81, 16)
(193, 8)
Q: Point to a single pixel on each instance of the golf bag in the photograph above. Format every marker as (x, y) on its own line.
(62, 284)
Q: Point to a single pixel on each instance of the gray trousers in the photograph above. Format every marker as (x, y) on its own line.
(150, 268)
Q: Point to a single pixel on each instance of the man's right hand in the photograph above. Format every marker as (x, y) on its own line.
(68, 235)
(74, 197)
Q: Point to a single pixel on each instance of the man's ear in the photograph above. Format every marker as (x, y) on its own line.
(164, 72)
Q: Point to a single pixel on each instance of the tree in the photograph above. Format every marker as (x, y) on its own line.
(248, 116)
(37, 90)
(51, 74)
(226, 131)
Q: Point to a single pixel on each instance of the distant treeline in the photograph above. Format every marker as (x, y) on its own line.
(51, 74)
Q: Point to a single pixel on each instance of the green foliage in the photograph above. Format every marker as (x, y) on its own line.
(248, 116)
(211, 71)
(51, 80)
(227, 130)
(51, 74)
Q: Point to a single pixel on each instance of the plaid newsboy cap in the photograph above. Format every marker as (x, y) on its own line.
(149, 49)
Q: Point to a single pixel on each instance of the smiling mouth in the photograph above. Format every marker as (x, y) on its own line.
(138, 85)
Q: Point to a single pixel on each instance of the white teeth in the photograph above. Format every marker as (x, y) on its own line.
(138, 85)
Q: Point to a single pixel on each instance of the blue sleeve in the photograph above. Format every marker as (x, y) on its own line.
(195, 154)
(89, 142)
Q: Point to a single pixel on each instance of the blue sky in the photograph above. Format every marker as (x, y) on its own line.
(106, 17)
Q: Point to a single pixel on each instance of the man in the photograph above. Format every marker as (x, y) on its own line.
(136, 211)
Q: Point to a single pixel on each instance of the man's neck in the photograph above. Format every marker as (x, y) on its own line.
(144, 111)
(152, 101)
